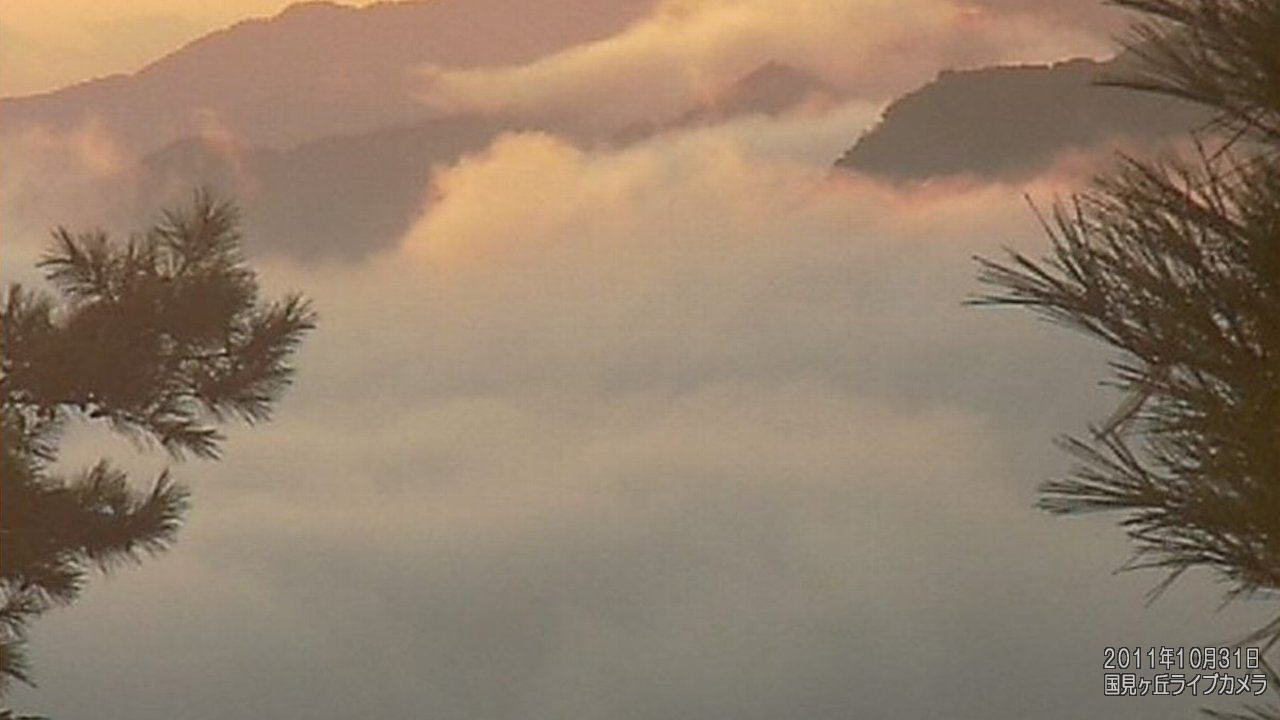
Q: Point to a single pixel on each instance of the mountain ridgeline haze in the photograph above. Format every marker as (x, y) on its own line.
(316, 108)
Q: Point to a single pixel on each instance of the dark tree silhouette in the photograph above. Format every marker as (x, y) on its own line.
(163, 337)
(1176, 263)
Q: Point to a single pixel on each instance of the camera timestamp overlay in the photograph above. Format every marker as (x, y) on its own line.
(1172, 671)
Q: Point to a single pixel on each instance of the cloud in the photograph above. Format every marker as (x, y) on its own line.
(53, 177)
(588, 264)
(711, 438)
(691, 428)
(686, 51)
(85, 176)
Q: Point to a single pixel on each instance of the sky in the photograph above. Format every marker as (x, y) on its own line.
(48, 45)
(682, 426)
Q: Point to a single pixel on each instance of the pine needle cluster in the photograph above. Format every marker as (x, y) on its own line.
(162, 337)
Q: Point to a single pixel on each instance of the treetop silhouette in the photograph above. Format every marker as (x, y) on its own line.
(163, 337)
(1176, 264)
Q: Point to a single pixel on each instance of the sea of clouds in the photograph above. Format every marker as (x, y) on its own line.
(688, 427)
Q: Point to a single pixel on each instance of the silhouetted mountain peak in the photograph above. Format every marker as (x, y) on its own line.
(770, 89)
(1011, 121)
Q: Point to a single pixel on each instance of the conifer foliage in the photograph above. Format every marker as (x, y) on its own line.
(162, 337)
(1175, 263)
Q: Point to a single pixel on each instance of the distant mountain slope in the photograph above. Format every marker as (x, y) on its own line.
(316, 69)
(770, 89)
(1010, 121)
(342, 196)
(349, 195)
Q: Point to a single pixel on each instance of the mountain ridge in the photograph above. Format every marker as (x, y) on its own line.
(349, 194)
(314, 69)
(1011, 121)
